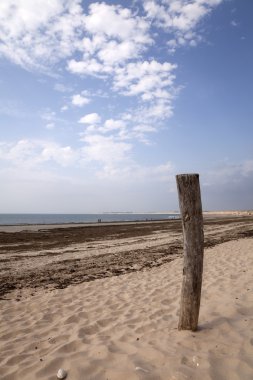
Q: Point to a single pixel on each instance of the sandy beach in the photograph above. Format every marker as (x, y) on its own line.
(102, 302)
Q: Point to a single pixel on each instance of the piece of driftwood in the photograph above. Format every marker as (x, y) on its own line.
(192, 221)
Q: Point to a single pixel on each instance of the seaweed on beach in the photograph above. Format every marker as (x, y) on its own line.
(20, 250)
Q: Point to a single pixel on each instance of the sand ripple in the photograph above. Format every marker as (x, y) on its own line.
(126, 327)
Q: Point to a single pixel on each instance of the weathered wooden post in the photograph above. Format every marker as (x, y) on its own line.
(192, 221)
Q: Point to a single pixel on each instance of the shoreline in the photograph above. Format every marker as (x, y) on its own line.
(36, 226)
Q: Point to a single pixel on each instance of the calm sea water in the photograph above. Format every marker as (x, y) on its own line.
(16, 219)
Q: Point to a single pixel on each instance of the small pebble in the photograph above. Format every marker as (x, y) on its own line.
(61, 374)
(141, 369)
(195, 360)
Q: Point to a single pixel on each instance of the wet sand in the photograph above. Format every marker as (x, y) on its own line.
(39, 257)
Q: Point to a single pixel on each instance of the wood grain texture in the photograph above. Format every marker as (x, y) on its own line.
(192, 221)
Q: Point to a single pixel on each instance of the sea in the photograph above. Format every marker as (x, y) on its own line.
(29, 219)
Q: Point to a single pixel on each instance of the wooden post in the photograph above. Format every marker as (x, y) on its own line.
(192, 221)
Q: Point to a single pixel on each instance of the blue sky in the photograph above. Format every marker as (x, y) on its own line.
(103, 103)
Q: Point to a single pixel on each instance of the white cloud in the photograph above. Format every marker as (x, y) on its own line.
(114, 52)
(52, 118)
(133, 172)
(38, 39)
(144, 128)
(113, 49)
(105, 149)
(114, 128)
(107, 41)
(147, 79)
(60, 87)
(36, 34)
(50, 125)
(88, 67)
(31, 153)
(48, 115)
(79, 100)
(179, 17)
(120, 23)
(112, 125)
(158, 110)
(64, 108)
(234, 23)
(164, 172)
(63, 156)
(18, 152)
(229, 173)
(106, 45)
(91, 118)
(228, 186)
(247, 168)
(153, 82)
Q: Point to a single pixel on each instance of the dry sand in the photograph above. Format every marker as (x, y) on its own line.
(125, 327)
